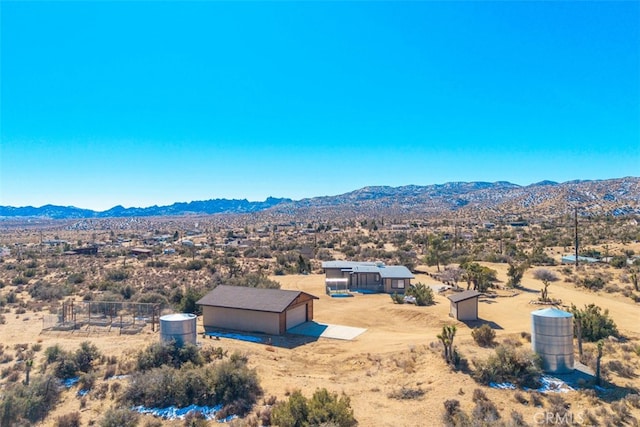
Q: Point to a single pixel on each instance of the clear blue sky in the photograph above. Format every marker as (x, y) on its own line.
(143, 103)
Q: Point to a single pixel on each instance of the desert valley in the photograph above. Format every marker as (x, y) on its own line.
(392, 372)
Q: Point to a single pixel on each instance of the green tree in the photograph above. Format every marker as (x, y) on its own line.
(516, 272)
(595, 324)
(482, 277)
(422, 293)
(437, 252)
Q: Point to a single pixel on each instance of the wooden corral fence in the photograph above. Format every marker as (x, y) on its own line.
(104, 316)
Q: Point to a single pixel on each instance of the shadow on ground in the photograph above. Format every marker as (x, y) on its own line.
(477, 323)
(288, 341)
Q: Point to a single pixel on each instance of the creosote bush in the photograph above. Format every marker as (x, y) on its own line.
(323, 408)
(509, 364)
(229, 383)
(484, 336)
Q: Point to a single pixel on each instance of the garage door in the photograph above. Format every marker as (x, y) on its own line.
(297, 315)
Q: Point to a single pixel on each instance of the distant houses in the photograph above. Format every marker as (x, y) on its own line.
(368, 276)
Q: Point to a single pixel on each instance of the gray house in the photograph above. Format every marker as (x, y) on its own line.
(368, 276)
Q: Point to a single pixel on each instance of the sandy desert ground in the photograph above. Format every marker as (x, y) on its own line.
(393, 352)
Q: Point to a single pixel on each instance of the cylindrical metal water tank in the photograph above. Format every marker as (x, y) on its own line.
(179, 327)
(552, 339)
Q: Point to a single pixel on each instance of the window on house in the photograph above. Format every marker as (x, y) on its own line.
(397, 284)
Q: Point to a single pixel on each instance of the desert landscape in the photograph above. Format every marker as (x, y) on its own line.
(393, 374)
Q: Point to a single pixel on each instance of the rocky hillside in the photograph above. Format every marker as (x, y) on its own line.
(619, 196)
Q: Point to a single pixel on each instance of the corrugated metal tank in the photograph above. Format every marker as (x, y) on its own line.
(180, 327)
(552, 339)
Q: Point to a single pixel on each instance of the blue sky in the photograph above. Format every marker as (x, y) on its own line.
(143, 103)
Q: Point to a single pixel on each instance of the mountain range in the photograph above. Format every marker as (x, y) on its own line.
(618, 196)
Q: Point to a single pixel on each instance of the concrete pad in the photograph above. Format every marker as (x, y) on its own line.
(325, 330)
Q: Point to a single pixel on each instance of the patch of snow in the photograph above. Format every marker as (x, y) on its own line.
(503, 386)
(70, 382)
(174, 413)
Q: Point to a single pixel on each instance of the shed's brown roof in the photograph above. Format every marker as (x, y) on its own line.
(465, 295)
(246, 298)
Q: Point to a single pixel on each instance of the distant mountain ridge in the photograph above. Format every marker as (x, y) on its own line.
(619, 196)
(203, 207)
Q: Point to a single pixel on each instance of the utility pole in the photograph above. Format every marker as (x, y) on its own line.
(575, 226)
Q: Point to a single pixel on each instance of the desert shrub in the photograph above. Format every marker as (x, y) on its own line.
(27, 404)
(536, 399)
(484, 336)
(478, 395)
(633, 400)
(618, 261)
(119, 417)
(323, 408)
(407, 393)
(228, 383)
(12, 298)
(195, 265)
(188, 302)
(53, 353)
(195, 419)
(152, 298)
(596, 324)
(252, 280)
(76, 278)
(19, 280)
(509, 364)
(158, 264)
(29, 272)
(557, 405)
(397, 298)
(453, 415)
(117, 275)
(520, 398)
(168, 353)
(87, 381)
(36, 347)
(620, 368)
(485, 413)
(66, 367)
(422, 293)
(593, 282)
(85, 355)
(68, 420)
(47, 292)
(55, 264)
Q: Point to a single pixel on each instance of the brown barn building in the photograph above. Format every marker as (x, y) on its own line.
(464, 305)
(270, 311)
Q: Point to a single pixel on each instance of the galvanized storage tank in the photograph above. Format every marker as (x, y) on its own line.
(180, 327)
(552, 339)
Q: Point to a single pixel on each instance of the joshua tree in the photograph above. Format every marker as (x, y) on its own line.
(634, 279)
(446, 337)
(27, 370)
(600, 347)
(546, 277)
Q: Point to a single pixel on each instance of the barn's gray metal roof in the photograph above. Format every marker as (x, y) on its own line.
(246, 298)
(464, 295)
